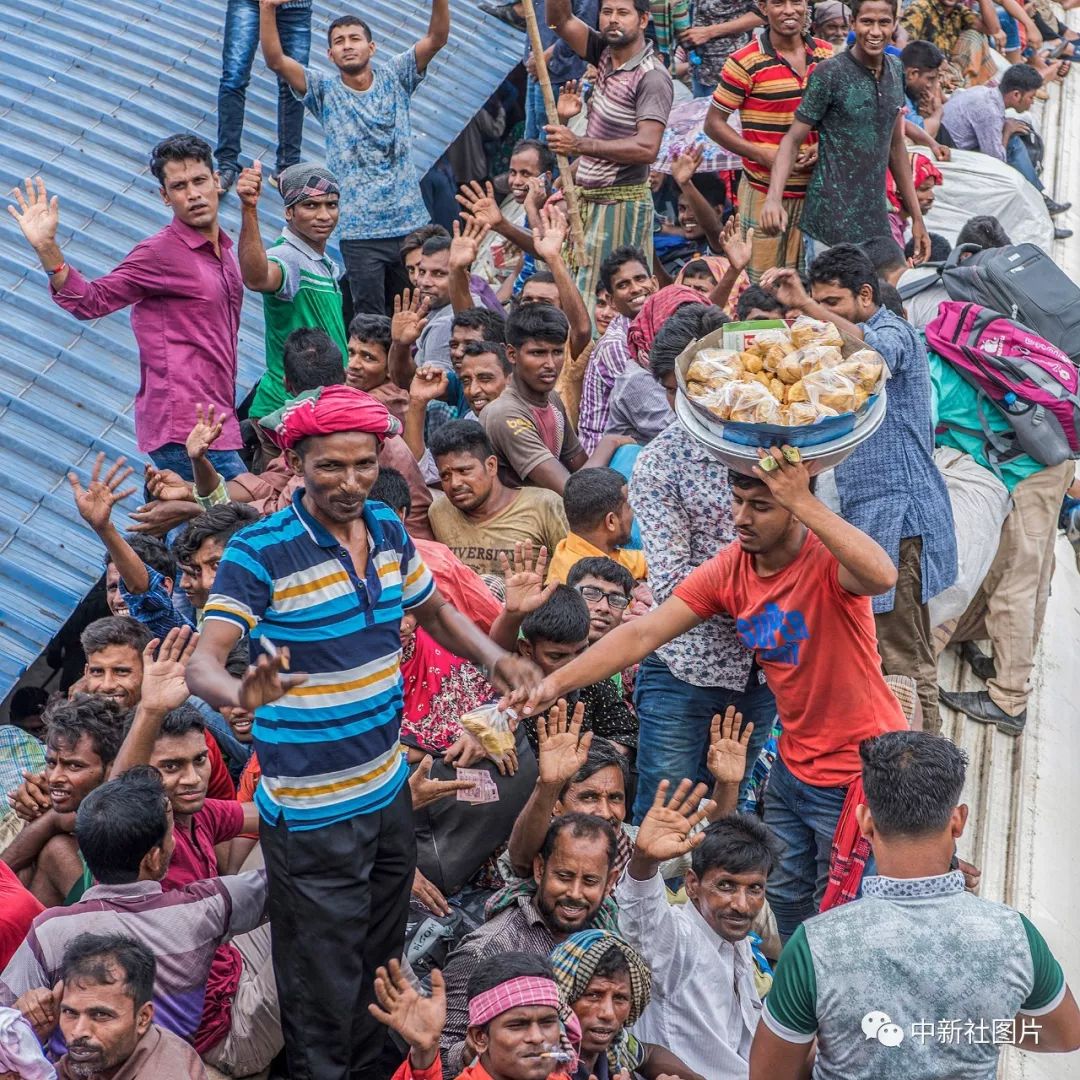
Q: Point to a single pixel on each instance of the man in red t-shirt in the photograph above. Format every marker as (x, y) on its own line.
(798, 585)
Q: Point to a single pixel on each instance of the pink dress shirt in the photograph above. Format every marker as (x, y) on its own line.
(185, 314)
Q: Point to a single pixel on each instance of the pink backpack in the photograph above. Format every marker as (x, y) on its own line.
(1030, 382)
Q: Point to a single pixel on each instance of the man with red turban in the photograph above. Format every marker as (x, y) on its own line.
(321, 587)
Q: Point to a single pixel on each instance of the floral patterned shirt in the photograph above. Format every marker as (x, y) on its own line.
(680, 495)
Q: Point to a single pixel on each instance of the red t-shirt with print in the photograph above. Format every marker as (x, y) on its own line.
(817, 645)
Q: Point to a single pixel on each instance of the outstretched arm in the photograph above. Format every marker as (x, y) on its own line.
(438, 33)
(549, 247)
(259, 273)
(95, 503)
(568, 26)
(276, 60)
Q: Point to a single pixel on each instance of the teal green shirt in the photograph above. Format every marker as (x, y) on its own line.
(956, 402)
(309, 296)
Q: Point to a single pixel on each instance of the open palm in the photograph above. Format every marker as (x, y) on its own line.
(401, 1007)
(563, 749)
(524, 579)
(666, 832)
(728, 740)
(96, 500)
(164, 686)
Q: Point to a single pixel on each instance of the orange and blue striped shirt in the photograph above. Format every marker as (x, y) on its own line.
(328, 749)
(766, 90)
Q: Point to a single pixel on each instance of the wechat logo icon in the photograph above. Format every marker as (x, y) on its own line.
(879, 1025)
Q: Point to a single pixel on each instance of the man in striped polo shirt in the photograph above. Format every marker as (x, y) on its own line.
(628, 111)
(764, 82)
(321, 586)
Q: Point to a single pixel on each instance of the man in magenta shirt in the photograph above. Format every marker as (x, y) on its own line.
(184, 288)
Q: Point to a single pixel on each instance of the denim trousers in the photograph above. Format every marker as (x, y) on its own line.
(1016, 154)
(802, 819)
(174, 456)
(674, 718)
(535, 113)
(237, 55)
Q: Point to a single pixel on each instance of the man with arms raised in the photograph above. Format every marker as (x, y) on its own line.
(327, 580)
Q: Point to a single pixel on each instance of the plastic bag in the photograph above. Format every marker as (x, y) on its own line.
(805, 412)
(714, 367)
(491, 727)
(752, 403)
(806, 331)
(829, 388)
(864, 368)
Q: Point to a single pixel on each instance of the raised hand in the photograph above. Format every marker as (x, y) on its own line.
(430, 383)
(551, 239)
(425, 791)
(417, 1019)
(163, 684)
(480, 202)
(686, 164)
(206, 431)
(524, 580)
(728, 740)
(666, 833)
(789, 481)
(38, 216)
(409, 318)
(166, 485)
(96, 500)
(465, 245)
(264, 682)
(562, 747)
(249, 185)
(787, 286)
(738, 249)
(569, 103)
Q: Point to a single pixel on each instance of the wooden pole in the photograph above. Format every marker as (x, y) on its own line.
(577, 231)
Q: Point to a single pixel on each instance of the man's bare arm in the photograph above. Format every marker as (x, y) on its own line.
(289, 69)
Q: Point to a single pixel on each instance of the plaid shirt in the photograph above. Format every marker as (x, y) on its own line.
(19, 753)
(610, 357)
(154, 608)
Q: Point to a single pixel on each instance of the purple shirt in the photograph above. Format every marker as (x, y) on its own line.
(185, 314)
(975, 120)
(610, 357)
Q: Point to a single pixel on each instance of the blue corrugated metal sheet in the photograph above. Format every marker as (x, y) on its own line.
(87, 88)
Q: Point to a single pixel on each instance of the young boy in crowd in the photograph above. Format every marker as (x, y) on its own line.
(600, 519)
(367, 366)
(553, 635)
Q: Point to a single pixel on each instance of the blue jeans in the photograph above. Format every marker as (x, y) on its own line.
(673, 728)
(535, 113)
(697, 87)
(1016, 154)
(173, 456)
(802, 819)
(1011, 28)
(237, 55)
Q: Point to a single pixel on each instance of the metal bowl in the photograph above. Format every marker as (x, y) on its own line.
(742, 458)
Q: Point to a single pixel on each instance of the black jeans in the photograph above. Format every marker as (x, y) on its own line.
(376, 273)
(237, 55)
(339, 901)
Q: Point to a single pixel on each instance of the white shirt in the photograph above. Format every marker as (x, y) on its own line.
(704, 1006)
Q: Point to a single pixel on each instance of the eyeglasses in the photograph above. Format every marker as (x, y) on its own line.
(617, 601)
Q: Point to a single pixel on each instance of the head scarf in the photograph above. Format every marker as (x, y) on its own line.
(325, 411)
(575, 961)
(829, 10)
(656, 311)
(922, 167)
(306, 182)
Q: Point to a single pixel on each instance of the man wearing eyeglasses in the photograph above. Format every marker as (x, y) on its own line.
(607, 588)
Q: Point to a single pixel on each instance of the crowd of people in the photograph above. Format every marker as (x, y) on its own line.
(456, 711)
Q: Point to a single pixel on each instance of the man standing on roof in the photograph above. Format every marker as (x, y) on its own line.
(328, 580)
(184, 290)
(364, 111)
(628, 111)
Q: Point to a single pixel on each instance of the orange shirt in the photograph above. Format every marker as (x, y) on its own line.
(817, 645)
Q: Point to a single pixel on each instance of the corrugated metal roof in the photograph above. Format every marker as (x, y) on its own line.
(87, 89)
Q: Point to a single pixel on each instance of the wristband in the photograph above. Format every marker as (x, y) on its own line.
(53, 273)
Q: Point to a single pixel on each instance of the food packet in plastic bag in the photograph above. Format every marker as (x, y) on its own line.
(827, 387)
(752, 403)
(805, 412)
(714, 367)
(864, 368)
(815, 357)
(807, 331)
(491, 727)
(764, 340)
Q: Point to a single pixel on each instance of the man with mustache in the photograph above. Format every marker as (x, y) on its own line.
(628, 111)
(184, 289)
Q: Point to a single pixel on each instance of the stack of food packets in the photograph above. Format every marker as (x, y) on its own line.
(760, 376)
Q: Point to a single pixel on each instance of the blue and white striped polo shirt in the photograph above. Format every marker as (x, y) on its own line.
(328, 749)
